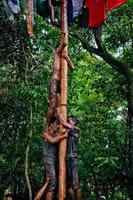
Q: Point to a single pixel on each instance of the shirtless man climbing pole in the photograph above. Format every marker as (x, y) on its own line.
(54, 84)
(52, 137)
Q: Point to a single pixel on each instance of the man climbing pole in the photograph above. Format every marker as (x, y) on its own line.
(54, 84)
(50, 153)
(72, 156)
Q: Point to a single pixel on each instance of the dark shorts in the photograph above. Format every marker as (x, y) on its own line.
(53, 88)
(72, 173)
(50, 167)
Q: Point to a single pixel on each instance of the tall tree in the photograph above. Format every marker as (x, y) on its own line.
(118, 37)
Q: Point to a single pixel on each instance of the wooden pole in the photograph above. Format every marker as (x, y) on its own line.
(63, 143)
(29, 17)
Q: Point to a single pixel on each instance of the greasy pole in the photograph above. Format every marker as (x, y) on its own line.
(63, 143)
(29, 17)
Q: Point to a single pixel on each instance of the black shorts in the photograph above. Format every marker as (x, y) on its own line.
(53, 88)
(50, 167)
(72, 173)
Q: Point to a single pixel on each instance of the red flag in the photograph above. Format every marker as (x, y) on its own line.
(97, 12)
(112, 4)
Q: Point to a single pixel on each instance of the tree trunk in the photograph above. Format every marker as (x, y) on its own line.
(130, 132)
(63, 143)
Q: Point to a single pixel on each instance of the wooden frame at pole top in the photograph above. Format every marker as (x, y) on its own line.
(64, 68)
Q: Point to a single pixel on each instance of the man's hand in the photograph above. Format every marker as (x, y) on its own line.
(66, 135)
(44, 134)
(49, 176)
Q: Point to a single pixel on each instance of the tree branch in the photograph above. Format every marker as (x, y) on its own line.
(84, 42)
(27, 156)
(102, 52)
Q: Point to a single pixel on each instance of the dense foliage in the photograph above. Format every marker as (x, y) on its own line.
(97, 96)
